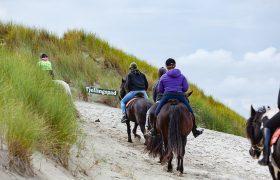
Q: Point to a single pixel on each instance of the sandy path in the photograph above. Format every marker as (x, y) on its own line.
(107, 154)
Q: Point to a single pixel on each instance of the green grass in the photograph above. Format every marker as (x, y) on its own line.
(36, 114)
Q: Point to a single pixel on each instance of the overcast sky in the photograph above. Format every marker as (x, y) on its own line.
(229, 49)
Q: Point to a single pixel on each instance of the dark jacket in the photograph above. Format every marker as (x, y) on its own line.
(136, 81)
(156, 95)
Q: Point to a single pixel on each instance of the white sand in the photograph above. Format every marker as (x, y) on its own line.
(106, 154)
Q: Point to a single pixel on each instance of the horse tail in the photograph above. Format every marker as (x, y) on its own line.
(154, 145)
(174, 136)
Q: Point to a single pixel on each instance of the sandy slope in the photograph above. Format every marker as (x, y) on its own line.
(213, 155)
(104, 153)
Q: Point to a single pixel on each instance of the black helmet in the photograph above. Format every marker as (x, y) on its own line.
(161, 71)
(170, 62)
(43, 55)
(133, 66)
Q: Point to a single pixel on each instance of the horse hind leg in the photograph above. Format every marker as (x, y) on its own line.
(128, 131)
(169, 166)
(134, 131)
(180, 157)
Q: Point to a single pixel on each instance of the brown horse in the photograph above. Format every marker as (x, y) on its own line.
(136, 112)
(254, 133)
(174, 123)
(151, 116)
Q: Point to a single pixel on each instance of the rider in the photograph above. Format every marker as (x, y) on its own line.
(45, 64)
(156, 96)
(268, 130)
(136, 82)
(174, 85)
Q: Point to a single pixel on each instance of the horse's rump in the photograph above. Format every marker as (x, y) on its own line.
(170, 111)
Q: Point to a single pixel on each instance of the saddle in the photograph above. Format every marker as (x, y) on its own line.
(133, 100)
(275, 136)
(173, 101)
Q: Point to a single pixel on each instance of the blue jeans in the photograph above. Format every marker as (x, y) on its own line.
(129, 96)
(179, 96)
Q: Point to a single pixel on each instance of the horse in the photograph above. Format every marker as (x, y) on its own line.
(65, 86)
(254, 133)
(151, 116)
(136, 112)
(174, 123)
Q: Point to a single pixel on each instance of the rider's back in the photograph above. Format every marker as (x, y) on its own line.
(173, 81)
(136, 81)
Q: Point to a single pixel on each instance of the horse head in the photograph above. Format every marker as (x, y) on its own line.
(254, 128)
(122, 89)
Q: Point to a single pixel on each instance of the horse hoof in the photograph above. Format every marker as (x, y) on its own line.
(130, 141)
(137, 136)
(180, 174)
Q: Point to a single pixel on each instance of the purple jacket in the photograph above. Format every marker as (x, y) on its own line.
(173, 81)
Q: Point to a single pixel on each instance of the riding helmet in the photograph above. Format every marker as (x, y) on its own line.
(43, 55)
(133, 66)
(161, 71)
(170, 62)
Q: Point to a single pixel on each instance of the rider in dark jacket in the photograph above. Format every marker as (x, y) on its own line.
(136, 82)
(268, 130)
(156, 97)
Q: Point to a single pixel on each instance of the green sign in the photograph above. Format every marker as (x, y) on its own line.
(95, 90)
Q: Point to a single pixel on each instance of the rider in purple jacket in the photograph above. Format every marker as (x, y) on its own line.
(174, 85)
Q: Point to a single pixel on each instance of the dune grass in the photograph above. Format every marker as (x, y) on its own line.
(36, 114)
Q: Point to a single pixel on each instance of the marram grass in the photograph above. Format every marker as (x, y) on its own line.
(36, 113)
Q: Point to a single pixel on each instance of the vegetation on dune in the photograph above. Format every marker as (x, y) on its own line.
(34, 113)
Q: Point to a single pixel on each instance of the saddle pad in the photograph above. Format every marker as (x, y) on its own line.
(275, 136)
(130, 101)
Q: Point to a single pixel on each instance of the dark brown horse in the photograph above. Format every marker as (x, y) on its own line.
(152, 114)
(173, 124)
(136, 112)
(254, 134)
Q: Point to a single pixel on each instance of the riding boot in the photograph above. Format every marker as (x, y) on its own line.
(124, 118)
(266, 147)
(195, 131)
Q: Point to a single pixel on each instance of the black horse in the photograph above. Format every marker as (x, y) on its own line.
(136, 112)
(173, 124)
(254, 133)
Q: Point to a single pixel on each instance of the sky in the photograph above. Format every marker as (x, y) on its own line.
(229, 49)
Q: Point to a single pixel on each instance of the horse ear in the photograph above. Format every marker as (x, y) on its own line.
(253, 111)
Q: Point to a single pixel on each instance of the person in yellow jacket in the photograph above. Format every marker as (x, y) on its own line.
(45, 64)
